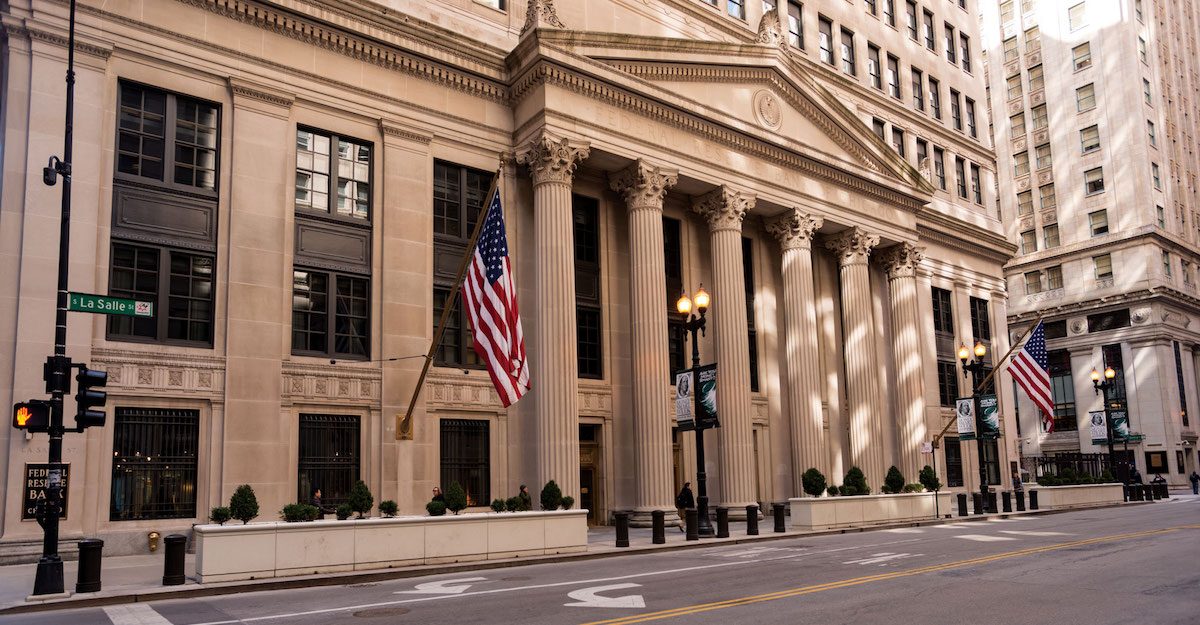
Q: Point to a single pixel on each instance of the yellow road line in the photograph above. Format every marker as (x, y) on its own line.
(856, 581)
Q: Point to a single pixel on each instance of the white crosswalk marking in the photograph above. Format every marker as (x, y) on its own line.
(953, 526)
(1032, 533)
(134, 614)
(882, 559)
(905, 530)
(982, 538)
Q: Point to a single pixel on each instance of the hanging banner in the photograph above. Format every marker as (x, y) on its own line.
(706, 389)
(965, 410)
(684, 419)
(1120, 426)
(1099, 427)
(989, 417)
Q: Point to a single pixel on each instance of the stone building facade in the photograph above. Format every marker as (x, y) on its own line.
(1097, 124)
(293, 183)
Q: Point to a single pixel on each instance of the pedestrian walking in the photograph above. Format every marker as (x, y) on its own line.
(1195, 478)
(437, 495)
(683, 501)
(1135, 476)
(524, 500)
(1016, 481)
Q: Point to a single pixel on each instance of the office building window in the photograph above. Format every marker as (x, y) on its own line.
(1110, 320)
(458, 196)
(927, 29)
(1142, 50)
(328, 168)
(166, 140)
(1062, 388)
(943, 312)
(989, 450)
(981, 322)
(848, 65)
(1085, 98)
(1146, 92)
(971, 128)
(1025, 203)
(1161, 216)
(1047, 197)
(1166, 263)
(466, 458)
(1007, 12)
(1033, 282)
(1028, 241)
(154, 464)
(1093, 181)
(922, 151)
(1021, 164)
(1156, 176)
(331, 314)
(873, 69)
(795, 24)
(918, 89)
(1151, 134)
(1040, 117)
(872, 7)
(751, 326)
(1103, 266)
(1098, 222)
(965, 51)
(877, 126)
(825, 30)
(1054, 279)
(1081, 55)
(954, 463)
(889, 12)
(1037, 79)
(960, 172)
(1033, 39)
(328, 457)
(1014, 87)
(1050, 236)
(1089, 139)
(893, 76)
(1010, 50)
(1077, 16)
(935, 98)
(736, 8)
(939, 167)
(587, 286)
(1017, 124)
(976, 184)
(177, 282)
(947, 383)
(911, 19)
(1044, 157)
(956, 109)
(951, 44)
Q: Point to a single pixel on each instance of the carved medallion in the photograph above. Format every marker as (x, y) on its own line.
(768, 109)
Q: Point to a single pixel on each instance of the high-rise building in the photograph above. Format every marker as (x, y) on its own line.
(1096, 112)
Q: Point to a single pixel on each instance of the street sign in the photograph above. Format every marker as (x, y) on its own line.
(105, 305)
(37, 481)
(32, 416)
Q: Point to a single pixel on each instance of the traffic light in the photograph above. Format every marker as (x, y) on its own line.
(32, 416)
(88, 400)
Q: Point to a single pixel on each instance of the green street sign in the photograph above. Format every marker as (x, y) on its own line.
(105, 305)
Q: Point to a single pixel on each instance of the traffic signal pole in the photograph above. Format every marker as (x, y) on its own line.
(49, 578)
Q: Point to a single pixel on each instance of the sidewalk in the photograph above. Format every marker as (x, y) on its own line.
(129, 579)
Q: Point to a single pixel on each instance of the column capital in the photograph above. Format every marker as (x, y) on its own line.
(551, 159)
(723, 208)
(853, 246)
(643, 185)
(901, 260)
(794, 228)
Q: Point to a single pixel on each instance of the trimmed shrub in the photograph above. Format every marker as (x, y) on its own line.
(298, 512)
(388, 508)
(512, 504)
(832, 490)
(813, 482)
(1107, 477)
(551, 496)
(913, 488)
(360, 498)
(243, 505)
(855, 483)
(1048, 480)
(567, 502)
(497, 505)
(456, 498)
(344, 511)
(928, 478)
(219, 515)
(435, 508)
(894, 481)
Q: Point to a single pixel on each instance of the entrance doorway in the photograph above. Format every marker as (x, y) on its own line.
(590, 476)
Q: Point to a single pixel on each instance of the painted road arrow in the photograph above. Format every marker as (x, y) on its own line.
(443, 587)
(590, 598)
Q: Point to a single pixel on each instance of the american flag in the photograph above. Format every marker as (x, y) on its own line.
(491, 304)
(1030, 368)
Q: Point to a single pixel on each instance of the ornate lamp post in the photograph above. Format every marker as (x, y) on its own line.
(1102, 387)
(695, 323)
(976, 368)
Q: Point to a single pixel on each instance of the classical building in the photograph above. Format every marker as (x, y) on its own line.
(292, 184)
(1097, 120)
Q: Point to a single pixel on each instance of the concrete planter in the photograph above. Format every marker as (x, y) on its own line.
(1083, 495)
(278, 549)
(810, 513)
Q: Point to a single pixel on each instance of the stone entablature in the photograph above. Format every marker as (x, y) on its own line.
(342, 383)
(133, 372)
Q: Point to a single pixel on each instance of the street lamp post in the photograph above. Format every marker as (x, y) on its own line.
(695, 323)
(1102, 388)
(977, 368)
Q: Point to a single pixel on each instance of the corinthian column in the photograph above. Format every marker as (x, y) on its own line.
(901, 263)
(555, 375)
(643, 187)
(795, 229)
(853, 248)
(724, 210)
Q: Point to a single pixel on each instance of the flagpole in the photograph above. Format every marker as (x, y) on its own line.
(404, 424)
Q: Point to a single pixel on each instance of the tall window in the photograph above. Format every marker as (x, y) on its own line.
(971, 128)
(951, 44)
(877, 126)
(889, 12)
(976, 184)
(1150, 133)
(1010, 50)
(1044, 157)
(154, 464)
(954, 462)
(947, 383)
(587, 286)
(1028, 241)
(752, 330)
(1077, 16)
(457, 202)
(795, 17)
(848, 53)
(328, 457)
(927, 29)
(1142, 50)
(935, 98)
(1034, 282)
(1054, 279)
(872, 7)
(1050, 236)
(1033, 39)
(673, 265)
(918, 89)
(466, 458)
(893, 76)
(331, 167)
(939, 167)
(898, 140)
(956, 109)
(873, 69)
(1062, 387)
(1040, 117)
(1037, 79)
(981, 321)
(825, 28)
(1146, 92)
(965, 51)
(911, 18)
(943, 328)
(736, 8)
(1103, 266)
(1047, 197)
(922, 151)
(989, 451)
(331, 314)
(1017, 124)
(943, 313)
(1021, 164)
(1025, 203)
(1156, 176)
(180, 285)
(1098, 222)
(166, 140)
(960, 172)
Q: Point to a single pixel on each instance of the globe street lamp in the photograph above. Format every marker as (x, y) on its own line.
(695, 323)
(1102, 387)
(977, 369)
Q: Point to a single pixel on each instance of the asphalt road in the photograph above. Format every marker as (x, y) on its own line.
(1137, 564)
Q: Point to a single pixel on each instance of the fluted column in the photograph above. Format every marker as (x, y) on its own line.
(901, 263)
(724, 210)
(552, 162)
(853, 248)
(643, 187)
(794, 230)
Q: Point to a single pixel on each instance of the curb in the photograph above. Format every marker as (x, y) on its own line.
(344, 579)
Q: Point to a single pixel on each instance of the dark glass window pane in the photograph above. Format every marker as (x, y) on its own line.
(1062, 388)
(588, 331)
(310, 310)
(981, 324)
(154, 464)
(943, 312)
(134, 276)
(195, 143)
(458, 198)
(947, 383)
(140, 137)
(954, 463)
(328, 458)
(351, 331)
(189, 306)
(466, 458)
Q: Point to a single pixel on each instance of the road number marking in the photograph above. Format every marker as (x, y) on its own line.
(590, 597)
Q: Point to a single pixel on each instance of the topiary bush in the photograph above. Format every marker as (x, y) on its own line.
(360, 499)
(855, 483)
(1048, 480)
(551, 496)
(894, 481)
(913, 488)
(344, 511)
(497, 505)
(243, 505)
(813, 482)
(388, 508)
(833, 491)
(567, 502)
(435, 508)
(456, 498)
(928, 478)
(219, 515)
(299, 512)
(1106, 476)
(512, 504)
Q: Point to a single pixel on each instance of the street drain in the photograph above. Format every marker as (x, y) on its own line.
(380, 612)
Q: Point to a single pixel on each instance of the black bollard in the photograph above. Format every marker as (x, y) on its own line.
(1158, 490)
(780, 523)
(722, 522)
(693, 524)
(990, 502)
(622, 528)
(752, 520)
(977, 503)
(173, 562)
(962, 504)
(1007, 496)
(1033, 500)
(1020, 501)
(1125, 492)
(90, 551)
(658, 520)
(1148, 492)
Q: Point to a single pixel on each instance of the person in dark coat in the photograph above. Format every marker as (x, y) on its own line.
(1135, 476)
(683, 501)
(524, 499)
(437, 495)
(1195, 479)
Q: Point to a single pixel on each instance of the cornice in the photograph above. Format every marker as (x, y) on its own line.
(392, 129)
(964, 236)
(57, 39)
(244, 89)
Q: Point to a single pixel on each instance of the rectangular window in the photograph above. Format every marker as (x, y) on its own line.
(893, 76)
(939, 167)
(989, 451)
(956, 109)
(587, 286)
(1033, 282)
(1021, 164)
(873, 69)
(976, 184)
(736, 8)
(1093, 181)
(1156, 462)
(1048, 199)
(1142, 50)
(1044, 157)
(960, 172)
(947, 383)
(1166, 263)
(1185, 268)
(748, 280)
(878, 127)
(1062, 388)
(1155, 175)
(320, 175)
(1050, 236)
(1025, 203)
(981, 321)
(927, 26)
(1010, 50)
(1151, 134)
(1054, 278)
(889, 12)
(1040, 117)
(943, 312)
(825, 28)
(951, 47)
(965, 51)
(848, 65)
(795, 23)
(971, 128)
(1014, 87)
(314, 321)
(1162, 217)
(1056, 329)
(1146, 92)
(1111, 320)
(457, 202)
(1137, 8)
(911, 18)
(1098, 222)
(465, 448)
(918, 89)
(166, 139)
(1037, 79)
(1007, 12)
(935, 98)
(1103, 265)
(154, 464)
(1089, 139)
(1028, 241)
(1033, 39)
(1017, 124)
(1082, 56)
(872, 7)
(922, 151)
(178, 283)
(328, 458)
(1077, 16)
(1085, 98)
(954, 463)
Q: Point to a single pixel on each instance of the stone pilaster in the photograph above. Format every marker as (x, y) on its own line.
(555, 374)
(643, 186)
(794, 230)
(901, 263)
(724, 210)
(853, 248)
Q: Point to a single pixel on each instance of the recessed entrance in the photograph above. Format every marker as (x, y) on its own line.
(590, 476)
